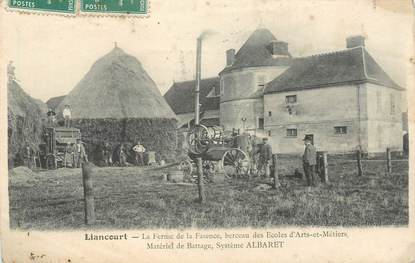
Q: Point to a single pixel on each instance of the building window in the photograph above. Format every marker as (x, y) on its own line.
(340, 130)
(392, 98)
(291, 99)
(269, 133)
(378, 101)
(292, 132)
(261, 123)
(261, 82)
(269, 114)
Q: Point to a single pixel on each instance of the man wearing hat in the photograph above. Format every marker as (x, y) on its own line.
(265, 156)
(309, 160)
(51, 117)
(67, 116)
(80, 153)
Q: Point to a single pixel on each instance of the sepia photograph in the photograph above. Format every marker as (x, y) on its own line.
(230, 125)
(270, 137)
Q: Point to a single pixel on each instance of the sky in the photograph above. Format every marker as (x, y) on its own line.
(53, 53)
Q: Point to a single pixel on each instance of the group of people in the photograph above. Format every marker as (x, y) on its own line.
(309, 159)
(75, 154)
(66, 113)
(121, 154)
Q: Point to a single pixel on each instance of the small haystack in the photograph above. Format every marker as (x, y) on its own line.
(25, 121)
(117, 102)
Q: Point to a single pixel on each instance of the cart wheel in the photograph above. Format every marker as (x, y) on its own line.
(198, 139)
(235, 163)
(187, 168)
(51, 162)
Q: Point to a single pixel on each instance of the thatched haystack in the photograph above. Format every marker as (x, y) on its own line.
(117, 102)
(26, 117)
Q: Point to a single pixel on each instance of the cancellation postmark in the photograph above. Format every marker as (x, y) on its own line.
(58, 6)
(132, 7)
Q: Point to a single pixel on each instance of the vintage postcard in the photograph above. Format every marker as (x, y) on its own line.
(211, 131)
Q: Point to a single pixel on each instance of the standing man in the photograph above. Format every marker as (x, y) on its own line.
(80, 153)
(122, 155)
(108, 154)
(75, 155)
(27, 155)
(51, 117)
(67, 115)
(139, 153)
(265, 157)
(309, 161)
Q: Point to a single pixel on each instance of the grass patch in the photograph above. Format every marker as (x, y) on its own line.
(133, 197)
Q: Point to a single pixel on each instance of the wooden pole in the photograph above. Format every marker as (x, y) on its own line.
(200, 185)
(359, 163)
(388, 160)
(198, 78)
(88, 194)
(276, 179)
(325, 167)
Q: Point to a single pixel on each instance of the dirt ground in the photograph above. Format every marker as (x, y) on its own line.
(135, 197)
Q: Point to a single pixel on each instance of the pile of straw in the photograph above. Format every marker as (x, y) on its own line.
(26, 117)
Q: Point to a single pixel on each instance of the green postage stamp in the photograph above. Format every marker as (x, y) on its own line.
(115, 6)
(62, 6)
(88, 6)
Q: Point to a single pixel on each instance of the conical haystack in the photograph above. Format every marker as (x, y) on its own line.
(117, 102)
(25, 121)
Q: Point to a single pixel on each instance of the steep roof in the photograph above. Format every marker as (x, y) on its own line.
(354, 65)
(54, 102)
(117, 86)
(180, 96)
(255, 52)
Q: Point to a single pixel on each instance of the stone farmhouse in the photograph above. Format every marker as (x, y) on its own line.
(343, 99)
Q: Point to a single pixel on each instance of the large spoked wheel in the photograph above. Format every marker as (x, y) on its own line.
(186, 167)
(198, 139)
(235, 163)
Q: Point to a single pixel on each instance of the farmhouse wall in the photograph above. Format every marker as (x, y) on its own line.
(317, 112)
(232, 112)
(241, 95)
(384, 118)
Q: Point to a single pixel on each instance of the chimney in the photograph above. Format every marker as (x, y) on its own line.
(230, 57)
(355, 41)
(279, 48)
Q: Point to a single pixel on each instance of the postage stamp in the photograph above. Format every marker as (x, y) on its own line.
(62, 6)
(115, 6)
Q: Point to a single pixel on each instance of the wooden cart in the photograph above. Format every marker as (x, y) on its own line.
(219, 153)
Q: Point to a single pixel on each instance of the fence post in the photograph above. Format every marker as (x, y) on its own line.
(88, 194)
(276, 183)
(388, 160)
(359, 163)
(200, 186)
(325, 167)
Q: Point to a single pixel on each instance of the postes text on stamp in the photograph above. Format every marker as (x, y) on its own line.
(62, 6)
(115, 6)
